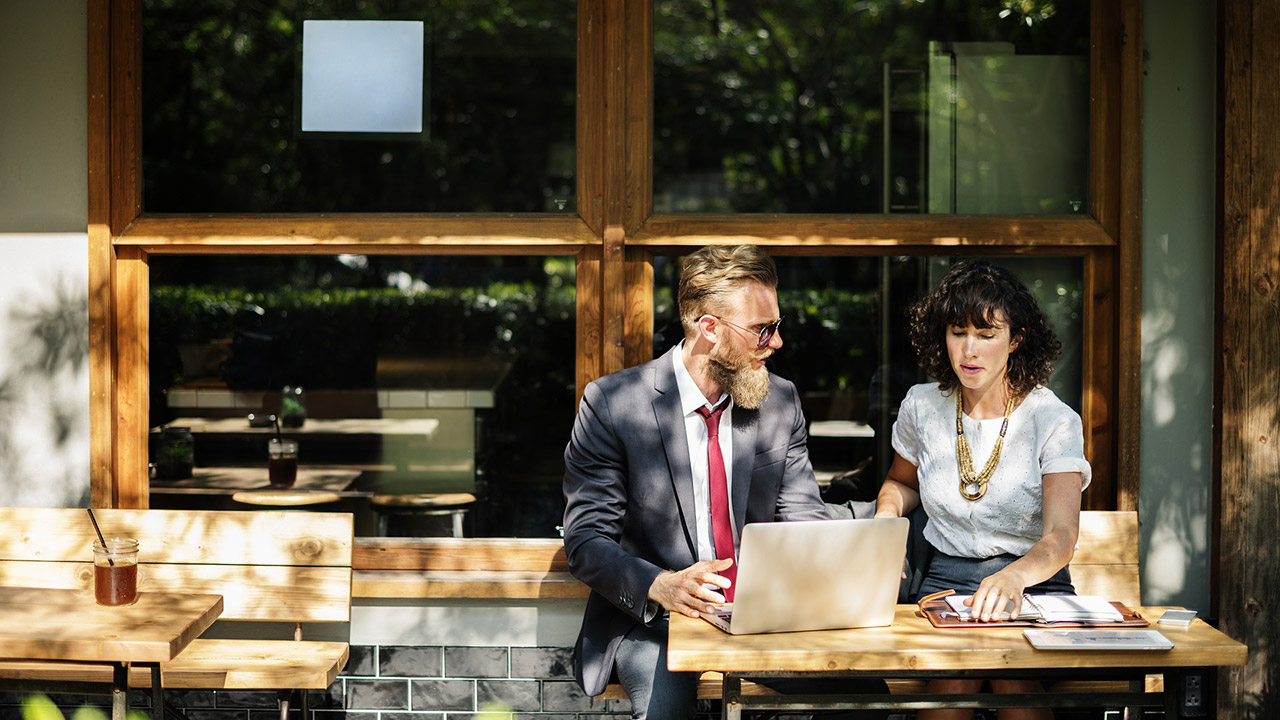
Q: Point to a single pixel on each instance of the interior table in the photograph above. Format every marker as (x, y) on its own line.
(46, 625)
(231, 480)
(911, 647)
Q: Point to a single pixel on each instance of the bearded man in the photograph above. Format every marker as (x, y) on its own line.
(657, 452)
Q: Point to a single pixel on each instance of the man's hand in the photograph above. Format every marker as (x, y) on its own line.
(683, 591)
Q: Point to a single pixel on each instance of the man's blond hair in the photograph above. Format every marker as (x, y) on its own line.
(714, 273)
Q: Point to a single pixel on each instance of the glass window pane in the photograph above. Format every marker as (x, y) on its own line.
(222, 110)
(417, 375)
(846, 347)
(871, 107)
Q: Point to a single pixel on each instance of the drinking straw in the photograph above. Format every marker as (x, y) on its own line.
(101, 539)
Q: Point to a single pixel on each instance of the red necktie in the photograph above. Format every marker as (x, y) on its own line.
(721, 529)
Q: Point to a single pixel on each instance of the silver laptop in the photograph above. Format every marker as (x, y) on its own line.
(816, 575)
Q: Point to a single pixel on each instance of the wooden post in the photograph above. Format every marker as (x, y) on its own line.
(1247, 465)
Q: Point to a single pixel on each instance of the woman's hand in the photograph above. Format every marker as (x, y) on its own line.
(997, 593)
(1060, 513)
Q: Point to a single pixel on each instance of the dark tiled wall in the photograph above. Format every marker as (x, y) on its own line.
(458, 682)
(409, 683)
(404, 683)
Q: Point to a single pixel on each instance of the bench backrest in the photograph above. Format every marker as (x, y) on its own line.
(1106, 559)
(284, 566)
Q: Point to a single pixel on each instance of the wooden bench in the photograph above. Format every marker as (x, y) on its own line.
(270, 566)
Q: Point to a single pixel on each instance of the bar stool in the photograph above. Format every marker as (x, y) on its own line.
(285, 498)
(422, 505)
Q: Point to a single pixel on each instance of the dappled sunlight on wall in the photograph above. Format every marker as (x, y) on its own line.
(44, 378)
(1177, 397)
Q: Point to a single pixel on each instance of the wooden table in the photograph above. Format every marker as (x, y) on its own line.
(230, 480)
(911, 647)
(68, 626)
(409, 427)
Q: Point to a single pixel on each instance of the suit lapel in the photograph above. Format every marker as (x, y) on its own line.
(666, 411)
(744, 455)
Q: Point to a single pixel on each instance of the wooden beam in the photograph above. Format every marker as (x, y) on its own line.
(639, 321)
(1128, 308)
(101, 260)
(132, 480)
(590, 323)
(1099, 379)
(1246, 567)
(592, 76)
(874, 234)
(126, 113)
(1107, 40)
(377, 232)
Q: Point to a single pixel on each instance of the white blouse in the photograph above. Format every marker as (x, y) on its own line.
(1044, 436)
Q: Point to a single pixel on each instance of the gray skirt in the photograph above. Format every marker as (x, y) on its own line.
(948, 572)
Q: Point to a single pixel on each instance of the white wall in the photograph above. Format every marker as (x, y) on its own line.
(44, 386)
(1177, 302)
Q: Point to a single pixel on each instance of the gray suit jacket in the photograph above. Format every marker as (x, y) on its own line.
(629, 494)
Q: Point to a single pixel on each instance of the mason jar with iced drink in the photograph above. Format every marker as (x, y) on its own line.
(115, 571)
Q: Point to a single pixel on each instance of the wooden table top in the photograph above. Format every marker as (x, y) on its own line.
(911, 644)
(415, 427)
(226, 480)
(52, 624)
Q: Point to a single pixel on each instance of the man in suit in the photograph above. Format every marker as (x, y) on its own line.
(639, 526)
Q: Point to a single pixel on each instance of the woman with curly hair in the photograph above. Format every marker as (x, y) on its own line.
(994, 456)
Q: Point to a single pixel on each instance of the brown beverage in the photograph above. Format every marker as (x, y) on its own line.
(282, 471)
(115, 571)
(115, 584)
(282, 462)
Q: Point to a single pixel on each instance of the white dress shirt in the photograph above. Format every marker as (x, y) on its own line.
(695, 430)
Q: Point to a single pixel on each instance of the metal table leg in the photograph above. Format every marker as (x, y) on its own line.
(157, 693)
(731, 694)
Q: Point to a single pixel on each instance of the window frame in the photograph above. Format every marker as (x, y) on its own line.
(614, 234)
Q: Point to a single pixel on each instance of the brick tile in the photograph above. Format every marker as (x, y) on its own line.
(444, 695)
(186, 698)
(243, 699)
(331, 698)
(351, 715)
(360, 661)
(218, 715)
(522, 695)
(544, 663)
(475, 662)
(567, 696)
(377, 694)
(418, 662)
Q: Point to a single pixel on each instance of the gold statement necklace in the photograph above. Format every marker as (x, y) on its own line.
(972, 486)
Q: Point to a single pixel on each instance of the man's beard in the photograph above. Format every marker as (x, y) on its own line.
(735, 373)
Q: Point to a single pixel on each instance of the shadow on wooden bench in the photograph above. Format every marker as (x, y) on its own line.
(290, 567)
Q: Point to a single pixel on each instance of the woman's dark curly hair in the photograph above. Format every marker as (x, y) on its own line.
(976, 292)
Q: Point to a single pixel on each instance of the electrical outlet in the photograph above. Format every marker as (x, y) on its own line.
(1193, 694)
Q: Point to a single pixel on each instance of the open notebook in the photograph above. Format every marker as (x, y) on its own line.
(1051, 609)
(816, 575)
(947, 610)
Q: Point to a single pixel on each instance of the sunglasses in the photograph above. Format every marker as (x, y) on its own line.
(764, 334)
